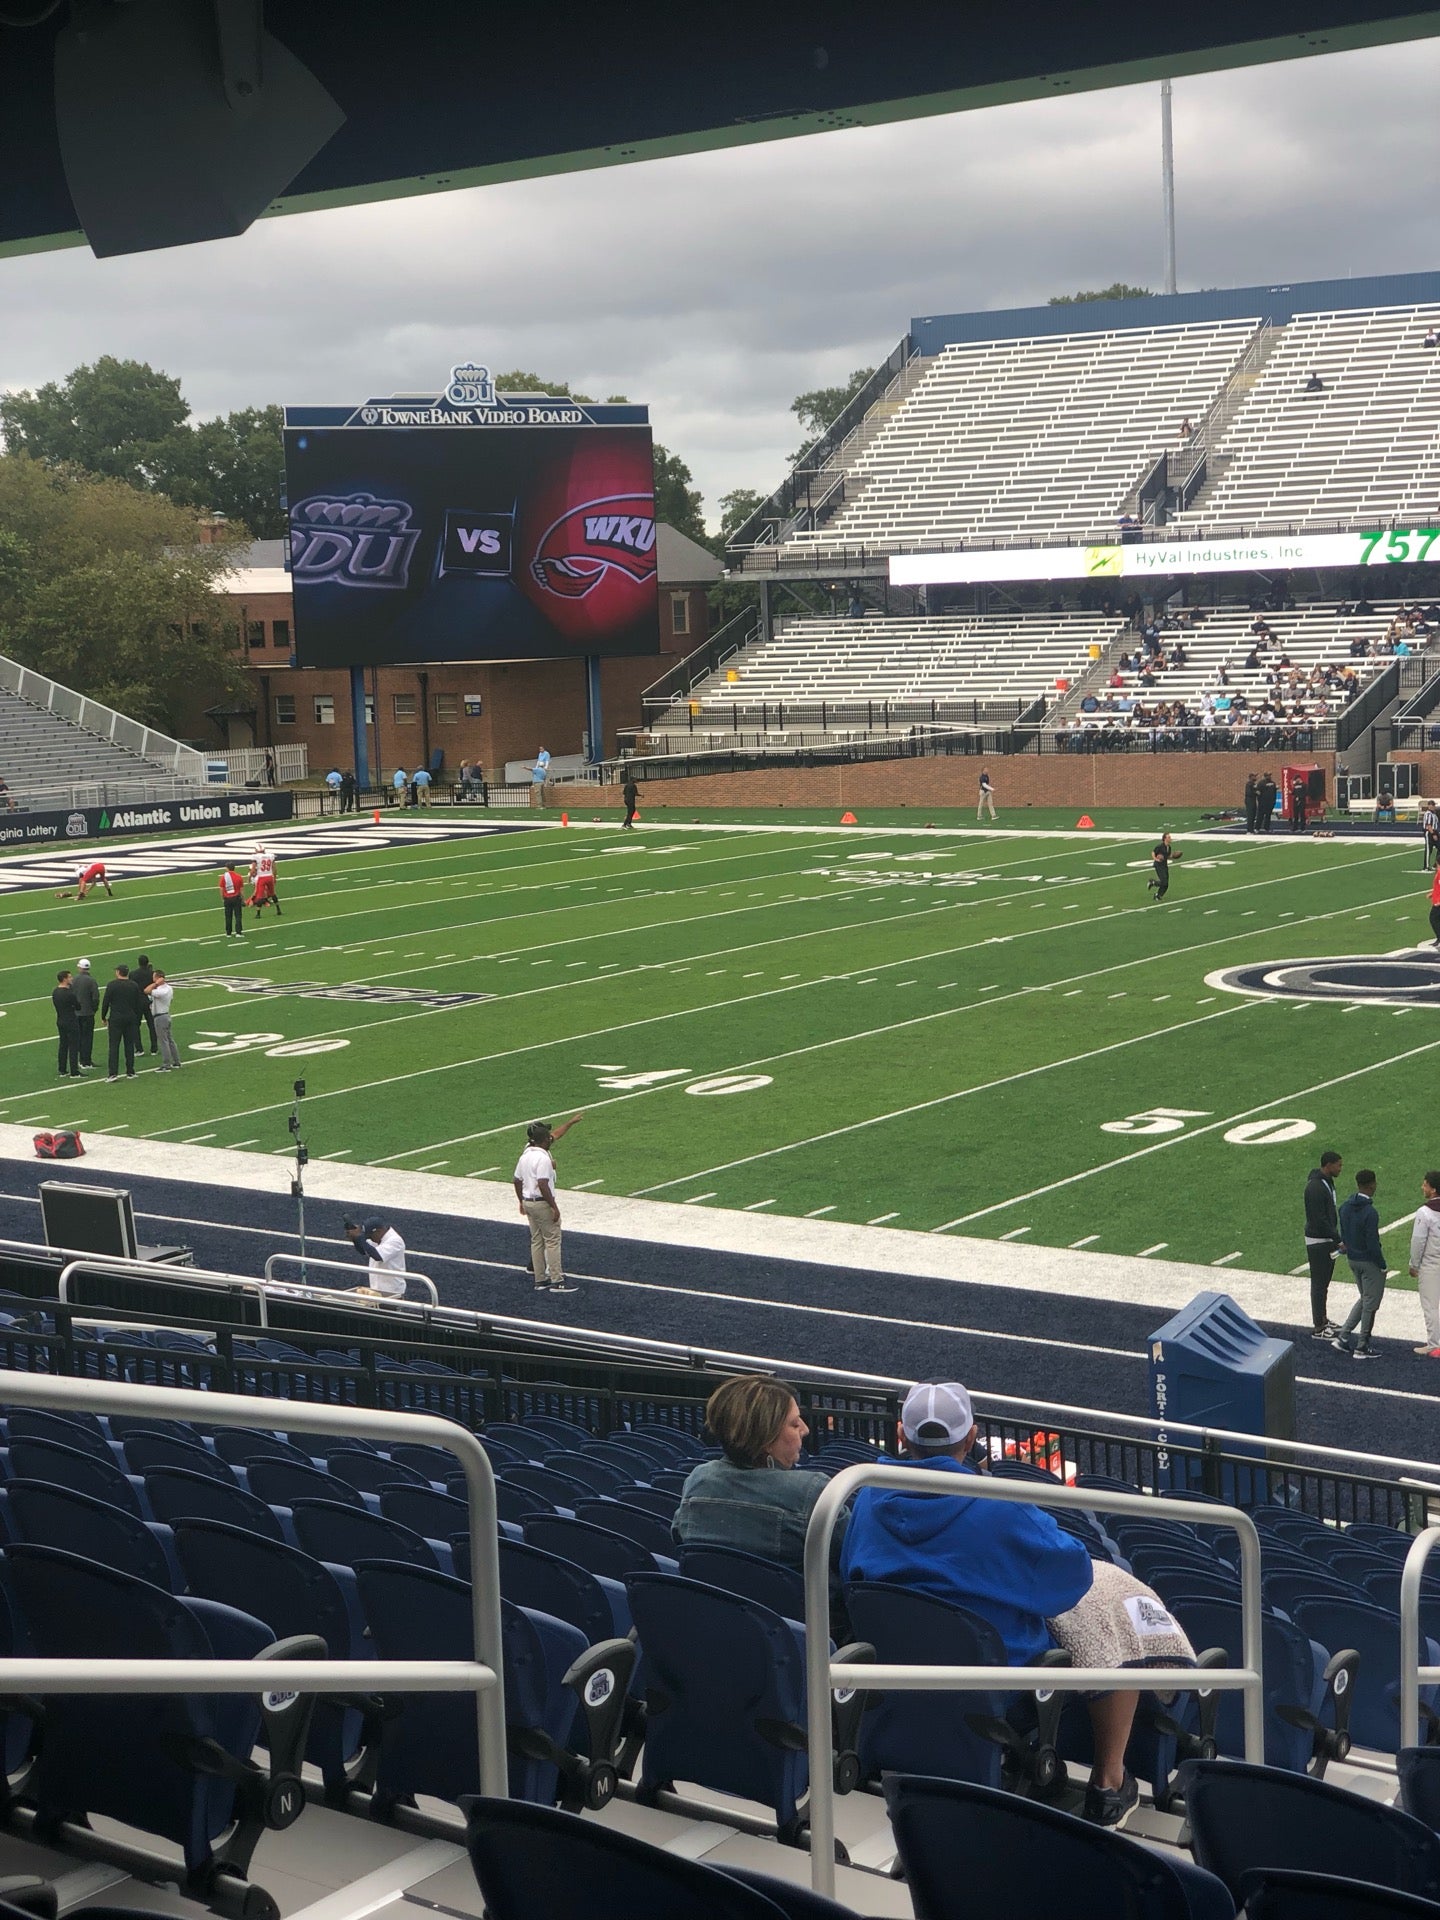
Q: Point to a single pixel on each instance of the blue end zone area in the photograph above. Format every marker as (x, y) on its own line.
(1031, 1343)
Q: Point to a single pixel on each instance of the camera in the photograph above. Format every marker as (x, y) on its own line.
(299, 1089)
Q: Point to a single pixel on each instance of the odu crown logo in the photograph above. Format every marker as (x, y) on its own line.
(1409, 978)
(352, 539)
(576, 551)
(470, 386)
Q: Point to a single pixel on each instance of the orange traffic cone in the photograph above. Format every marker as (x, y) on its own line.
(1084, 821)
(635, 816)
(847, 819)
(377, 816)
(564, 819)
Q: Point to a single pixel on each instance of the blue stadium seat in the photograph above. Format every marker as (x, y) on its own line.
(368, 1472)
(143, 1451)
(968, 1849)
(435, 1516)
(560, 1433)
(781, 1589)
(595, 1548)
(1281, 1895)
(1245, 1817)
(1419, 1771)
(434, 1463)
(600, 1476)
(689, 1444)
(555, 1488)
(237, 1446)
(428, 1741)
(174, 1494)
(66, 1466)
(653, 1500)
(531, 1861)
(1375, 1705)
(521, 1439)
(724, 1688)
(329, 1530)
(147, 1760)
(293, 1594)
(1308, 1693)
(545, 1583)
(68, 1430)
(279, 1482)
(647, 1530)
(54, 1516)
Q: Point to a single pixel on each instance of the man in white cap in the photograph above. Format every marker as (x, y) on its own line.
(88, 995)
(1005, 1560)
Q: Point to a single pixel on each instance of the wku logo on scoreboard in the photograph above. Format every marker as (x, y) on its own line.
(578, 550)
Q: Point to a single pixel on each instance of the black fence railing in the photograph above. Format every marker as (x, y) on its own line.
(1147, 739)
(741, 630)
(871, 716)
(1366, 709)
(918, 744)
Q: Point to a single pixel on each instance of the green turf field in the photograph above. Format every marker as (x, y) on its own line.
(945, 1032)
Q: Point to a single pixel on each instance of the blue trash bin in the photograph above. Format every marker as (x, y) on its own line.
(1211, 1366)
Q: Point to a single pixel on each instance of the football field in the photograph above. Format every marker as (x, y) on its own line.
(994, 1035)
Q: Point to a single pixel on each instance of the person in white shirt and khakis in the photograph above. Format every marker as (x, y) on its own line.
(535, 1190)
(161, 996)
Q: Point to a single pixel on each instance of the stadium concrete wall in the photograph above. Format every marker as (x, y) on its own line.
(1025, 780)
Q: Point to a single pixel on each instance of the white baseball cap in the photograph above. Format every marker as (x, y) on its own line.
(84, 965)
(937, 1414)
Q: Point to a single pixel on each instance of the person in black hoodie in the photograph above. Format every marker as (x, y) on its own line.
(1360, 1227)
(1322, 1241)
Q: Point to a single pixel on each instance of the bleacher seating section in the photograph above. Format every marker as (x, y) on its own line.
(1041, 439)
(186, 1537)
(39, 750)
(1364, 451)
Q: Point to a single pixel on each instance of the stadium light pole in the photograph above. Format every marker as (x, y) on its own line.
(1167, 183)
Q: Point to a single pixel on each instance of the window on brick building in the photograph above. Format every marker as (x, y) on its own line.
(680, 613)
(280, 633)
(447, 709)
(324, 709)
(406, 707)
(369, 709)
(255, 633)
(284, 709)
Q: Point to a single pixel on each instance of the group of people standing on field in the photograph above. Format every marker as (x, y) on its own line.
(261, 876)
(1353, 1228)
(135, 1003)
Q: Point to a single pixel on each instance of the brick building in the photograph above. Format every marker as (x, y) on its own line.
(491, 712)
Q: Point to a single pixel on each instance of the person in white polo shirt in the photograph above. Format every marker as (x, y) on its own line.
(379, 1243)
(535, 1190)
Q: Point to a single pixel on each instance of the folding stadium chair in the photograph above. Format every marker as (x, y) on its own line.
(560, 1433)
(174, 1765)
(970, 1849)
(293, 1593)
(689, 1444)
(653, 1500)
(433, 1463)
(597, 1549)
(1308, 1692)
(238, 1446)
(555, 1488)
(53, 1516)
(71, 1467)
(522, 1439)
(598, 1476)
(531, 1860)
(647, 1530)
(781, 1589)
(1273, 1894)
(329, 1530)
(670, 1479)
(552, 1678)
(724, 1688)
(1375, 1704)
(174, 1493)
(1419, 1771)
(68, 1430)
(435, 1516)
(143, 1451)
(543, 1582)
(1245, 1817)
(279, 1482)
(369, 1472)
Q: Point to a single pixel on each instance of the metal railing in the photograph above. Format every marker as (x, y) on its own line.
(822, 1674)
(232, 1283)
(858, 715)
(92, 716)
(1112, 736)
(740, 630)
(916, 744)
(1412, 1675)
(358, 1275)
(484, 1676)
(60, 797)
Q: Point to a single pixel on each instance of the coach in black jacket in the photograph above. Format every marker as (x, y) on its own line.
(1322, 1240)
(120, 1013)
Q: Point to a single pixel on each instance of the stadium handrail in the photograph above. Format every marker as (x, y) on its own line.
(93, 716)
(739, 631)
(1412, 1675)
(824, 1674)
(484, 1676)
(357, 1274)
(230, 1282)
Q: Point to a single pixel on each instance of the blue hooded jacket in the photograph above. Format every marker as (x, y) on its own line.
(1008, 1562)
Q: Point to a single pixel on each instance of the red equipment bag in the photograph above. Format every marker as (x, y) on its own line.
(59, 1146)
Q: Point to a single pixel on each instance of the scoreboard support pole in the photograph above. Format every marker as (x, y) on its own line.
(594, 714)
(357, 724)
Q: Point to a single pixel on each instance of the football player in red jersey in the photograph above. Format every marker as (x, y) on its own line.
(86, 877)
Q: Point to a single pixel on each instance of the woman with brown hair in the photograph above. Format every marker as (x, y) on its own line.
(756, 1498)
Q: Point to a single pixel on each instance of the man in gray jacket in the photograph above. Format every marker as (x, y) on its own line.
(88, 996)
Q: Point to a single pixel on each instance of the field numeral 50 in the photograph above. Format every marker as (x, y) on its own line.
(1271, 1132)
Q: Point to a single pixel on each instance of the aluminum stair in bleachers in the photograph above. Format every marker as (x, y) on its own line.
(1041, 439)
(1363, 451)
(56, 744)
(948, 658)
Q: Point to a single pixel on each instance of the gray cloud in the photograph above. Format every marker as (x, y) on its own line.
(718, 286)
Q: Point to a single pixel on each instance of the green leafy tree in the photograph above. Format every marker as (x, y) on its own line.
(817, 409)
(736, 508)
(115, 418)
(678, 501)
(106, 588)
(235, 465)
(1120, 291)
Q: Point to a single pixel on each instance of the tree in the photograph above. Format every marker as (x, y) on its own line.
(678, 501)
(105, 587)
(736, 508)
(818, 409)
(233, 465)
(1119, 291)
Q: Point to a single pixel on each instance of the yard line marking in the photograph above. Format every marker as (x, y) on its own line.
(1161, 996)
(431, 1165)
(756, 1205)
(1014, 1233)
(1197, 1133)
(236, 1145)
(1115, 996)
(881, 1218)
(1088, 1241)
(1209, 1000)
(866, 983)
(1159, 1247)
(579, 1186)
(1226, 1258)
(754, 976)
(696, 1198)
(341, 1153)
(816, 1212)
(1210, 910)
(194, 1140)
(1074, 990)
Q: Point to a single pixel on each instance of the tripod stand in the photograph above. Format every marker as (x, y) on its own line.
(302, 1160)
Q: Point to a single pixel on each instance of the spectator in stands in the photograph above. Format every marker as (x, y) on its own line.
(1012, 1564)
(1314, 384)
(1432, 338)
(1187, 431)
(856, 608)
(739, 1501)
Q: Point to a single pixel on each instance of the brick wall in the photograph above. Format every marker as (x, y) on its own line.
(1052, 780)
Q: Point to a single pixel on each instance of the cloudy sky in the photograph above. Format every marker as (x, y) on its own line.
(719, 286)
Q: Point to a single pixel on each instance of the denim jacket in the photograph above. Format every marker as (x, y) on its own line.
(760, 1510)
